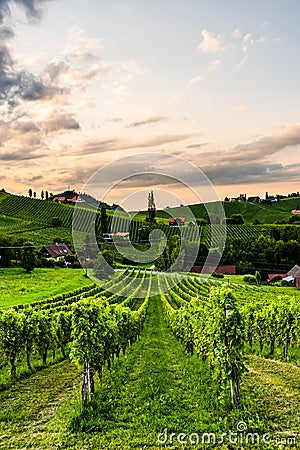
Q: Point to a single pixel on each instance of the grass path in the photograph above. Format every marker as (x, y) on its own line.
(28, 405)
(154, 387)
(278, 393)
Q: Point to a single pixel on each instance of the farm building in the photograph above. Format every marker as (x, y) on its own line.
(295, 211)
(225, 270)
(295, 273)
(57, 251)
(63, 199)
(293, 276)
(271, 276)
(120, 235)
(178, 222)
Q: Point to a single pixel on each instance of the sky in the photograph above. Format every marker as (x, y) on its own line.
(86, 82)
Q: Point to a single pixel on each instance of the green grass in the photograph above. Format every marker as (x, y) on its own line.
(17, 286)
(45, 235)
(28, 405)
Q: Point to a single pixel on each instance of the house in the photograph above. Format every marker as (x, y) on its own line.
(225, 270)
(293, 276)
(75, 199)
(120, 235)
(108, 237)
(241, 198)
(294, 272)
(178, 222)
(254, 199)
(271, 276)
(295, 211)
(58, 250)
(59, 199)
(124, 235)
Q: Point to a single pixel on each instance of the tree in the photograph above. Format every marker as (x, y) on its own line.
(103, 265)
(34, 195)
(235, 219)
(28, 257)
(30, 193)
(257, 277)
(42, 195)
(46, 195)
(6, 253)
(56, 222)
(103, 220)
(151, 208)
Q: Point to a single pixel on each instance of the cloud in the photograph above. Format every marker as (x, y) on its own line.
(17, 84)
(23, 154)
(198, 145)
(80, 46)
(253, 161)
(115, 119)
(32, 8)
(237, 34)
(6, 33)
(195, 80)
(284, 136)
(215, 65)
(115, 144)
(210, 43)
(247, 38)
(241, 63)
(148, 121)
(58, 122)
(58, 71)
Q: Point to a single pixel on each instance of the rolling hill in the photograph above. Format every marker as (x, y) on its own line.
(30, 219)
(252, 212)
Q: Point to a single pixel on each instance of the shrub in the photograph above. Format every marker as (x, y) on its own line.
(249, 279)
(218, 275)
(48, 262)
(56, 222)
(60, 263)
(275, 279)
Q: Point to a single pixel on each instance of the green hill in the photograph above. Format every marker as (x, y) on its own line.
(30, 219)
(261, 212)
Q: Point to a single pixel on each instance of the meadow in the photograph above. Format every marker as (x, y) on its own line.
(18, 287)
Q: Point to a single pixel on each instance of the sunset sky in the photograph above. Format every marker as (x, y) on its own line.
(84, 82)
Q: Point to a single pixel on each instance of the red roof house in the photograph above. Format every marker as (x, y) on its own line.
(226, 270)
(273, 275)
(58, 250)
(179, 221)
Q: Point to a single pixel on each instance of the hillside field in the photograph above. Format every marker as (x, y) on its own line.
(18, 287)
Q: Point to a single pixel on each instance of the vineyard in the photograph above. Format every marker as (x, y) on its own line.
(214, 331)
